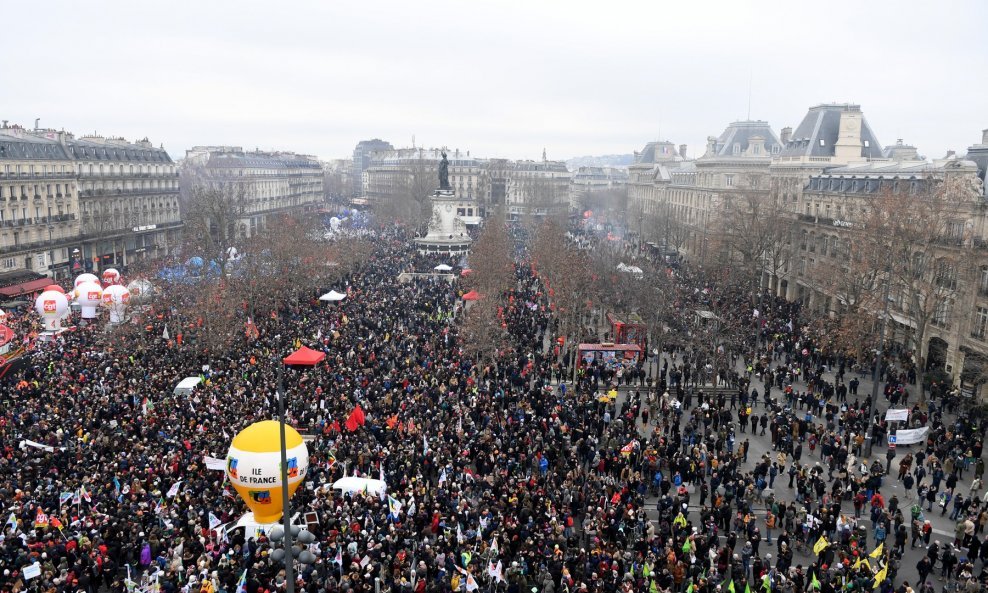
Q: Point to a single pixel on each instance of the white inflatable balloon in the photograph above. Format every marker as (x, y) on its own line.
(85, 278)
(115, 298)
(89, 295)
(52, 306)
(111, 276)
(140, 290)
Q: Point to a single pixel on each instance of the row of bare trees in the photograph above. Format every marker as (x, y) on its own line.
(910, 241)
(913, 246)
(248, 271)
(492, 274)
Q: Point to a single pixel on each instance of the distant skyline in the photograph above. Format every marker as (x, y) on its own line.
(501, 79)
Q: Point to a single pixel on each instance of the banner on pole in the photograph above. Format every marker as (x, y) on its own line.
(911, 436)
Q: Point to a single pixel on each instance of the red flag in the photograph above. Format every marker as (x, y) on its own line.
(355, 420)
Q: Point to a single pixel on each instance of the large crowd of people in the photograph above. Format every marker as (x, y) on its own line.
(506, 474)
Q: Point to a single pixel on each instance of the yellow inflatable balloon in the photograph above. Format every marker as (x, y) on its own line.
(254, 467)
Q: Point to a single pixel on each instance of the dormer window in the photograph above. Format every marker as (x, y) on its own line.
(737, 148)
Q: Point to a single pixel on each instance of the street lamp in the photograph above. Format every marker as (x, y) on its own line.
(51, 252)
(286, 507)
(869, 431)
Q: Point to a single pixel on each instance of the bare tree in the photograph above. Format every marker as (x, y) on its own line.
(911, 243)
(566, 271)
(214, 214)
(751, 229)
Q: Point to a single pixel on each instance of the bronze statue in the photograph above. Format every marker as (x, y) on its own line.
(444, 173)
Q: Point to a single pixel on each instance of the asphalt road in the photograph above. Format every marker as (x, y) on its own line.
(943, 527)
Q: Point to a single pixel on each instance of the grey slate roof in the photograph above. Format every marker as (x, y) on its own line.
(658, 151)
(260, 159)
(822, 122)
(83, 149)
(740, 132)
(30, 148)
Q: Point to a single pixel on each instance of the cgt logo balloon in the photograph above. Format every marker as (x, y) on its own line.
(253, 465)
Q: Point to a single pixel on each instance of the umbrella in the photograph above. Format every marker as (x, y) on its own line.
(332, 296)
(442, 268)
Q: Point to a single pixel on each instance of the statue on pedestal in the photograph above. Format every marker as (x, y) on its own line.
(444, 173)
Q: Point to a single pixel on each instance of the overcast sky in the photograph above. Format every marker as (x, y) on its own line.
(498, 78)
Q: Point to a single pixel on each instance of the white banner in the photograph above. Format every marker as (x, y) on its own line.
(914, 435)
(27, 443)
(898, 415)
(32, 571)
(214, 463)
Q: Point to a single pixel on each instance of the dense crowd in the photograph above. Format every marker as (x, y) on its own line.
(504, 477)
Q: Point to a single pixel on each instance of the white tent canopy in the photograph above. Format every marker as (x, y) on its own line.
(635, 270)
(442, 268)
(332, 296)
(187, 385)
(352, 484)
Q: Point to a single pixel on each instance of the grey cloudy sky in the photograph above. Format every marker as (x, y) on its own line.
(500, 78)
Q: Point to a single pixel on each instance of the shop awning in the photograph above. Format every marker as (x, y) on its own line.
(25, 287)
(902, 320)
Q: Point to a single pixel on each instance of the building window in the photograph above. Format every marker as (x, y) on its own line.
(946, 275)
(955, 229)
(729, 180)
(980, 328)
(737, 148)
(983, 281)
(942, 314)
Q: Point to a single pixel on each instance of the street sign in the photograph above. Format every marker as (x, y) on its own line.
(891, 441)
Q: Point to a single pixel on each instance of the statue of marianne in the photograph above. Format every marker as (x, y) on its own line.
(444, 173)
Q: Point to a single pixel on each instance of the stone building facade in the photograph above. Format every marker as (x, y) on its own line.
(69, 205)
(267, 183)
(39, 205)
(128, 201)
(820, 177)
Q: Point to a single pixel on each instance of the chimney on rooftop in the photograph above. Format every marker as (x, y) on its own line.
(785, 135)
(984, 134)
(682, 150)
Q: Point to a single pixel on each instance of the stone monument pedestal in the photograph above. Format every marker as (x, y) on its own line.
(447, 231)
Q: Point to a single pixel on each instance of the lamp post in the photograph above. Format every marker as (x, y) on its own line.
(51, 251)
(288, 553)
(286, 520)
(879, 354)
